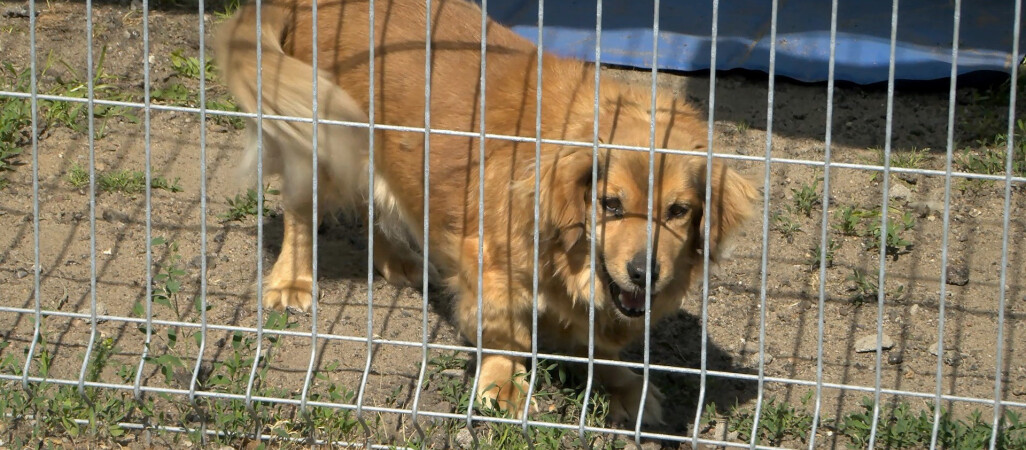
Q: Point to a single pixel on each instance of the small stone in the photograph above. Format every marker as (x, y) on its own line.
(21, 273)
(454, 373)
(115, 216)
(914, 310)
(867, 343)
(197, 262)
(958, 274)
(900, 192)
(895, 358)
(464, 439)
(909, 178)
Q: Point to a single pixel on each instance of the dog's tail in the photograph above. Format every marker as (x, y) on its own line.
(287, 89)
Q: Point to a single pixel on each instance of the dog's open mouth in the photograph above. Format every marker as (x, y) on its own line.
(630, 302)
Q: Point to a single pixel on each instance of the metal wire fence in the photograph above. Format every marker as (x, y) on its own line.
(195, 386)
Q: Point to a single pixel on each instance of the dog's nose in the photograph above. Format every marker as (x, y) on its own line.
(636, 269)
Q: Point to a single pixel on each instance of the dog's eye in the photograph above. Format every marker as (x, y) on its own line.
(613, 205)
(676, 211)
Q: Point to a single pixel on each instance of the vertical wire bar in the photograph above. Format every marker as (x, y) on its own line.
(648, 222)
(480, 218)
(764, 270)
(939, 388)
(427, 218)
(883, 223)
(259, 136)
(1009, 160)
(707, 202)
(594, 237)
(137, 388)
(34, 105)
(203, 201)
(90, 86)
(370, 217)
(824, 243)
(314, 212)
(537, 217)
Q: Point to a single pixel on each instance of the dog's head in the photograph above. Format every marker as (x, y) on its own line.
(626, 270)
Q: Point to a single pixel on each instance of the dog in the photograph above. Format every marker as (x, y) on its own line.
(624, 279)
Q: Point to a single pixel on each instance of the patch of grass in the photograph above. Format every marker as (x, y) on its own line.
(865, 289)
(778, 422)
(78, 177)
(245, 205)
(895, 242)
(849, 220)
(178, 95)
(989, 156)
(805, 198)
(901, 427)
(228, 9)
(125, 181)
(817, 254)
(908, 159)
(74, 115)
(15, 118)
(786, 225)
(557, 387)
(190, 67)
(743, 126)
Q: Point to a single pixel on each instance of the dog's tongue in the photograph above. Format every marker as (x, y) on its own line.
(633, 300)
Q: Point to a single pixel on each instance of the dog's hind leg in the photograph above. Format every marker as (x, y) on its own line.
(290, 283)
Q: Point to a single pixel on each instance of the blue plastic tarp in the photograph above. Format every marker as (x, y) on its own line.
(923, 52)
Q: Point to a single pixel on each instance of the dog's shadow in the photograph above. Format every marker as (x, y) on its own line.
(676, 342)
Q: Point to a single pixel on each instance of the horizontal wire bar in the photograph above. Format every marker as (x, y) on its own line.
(444, 132)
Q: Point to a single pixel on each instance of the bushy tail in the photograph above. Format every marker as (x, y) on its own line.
(287, 90)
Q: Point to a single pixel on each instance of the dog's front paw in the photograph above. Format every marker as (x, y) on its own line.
(289, 294)
(503, 385)
(625, 404)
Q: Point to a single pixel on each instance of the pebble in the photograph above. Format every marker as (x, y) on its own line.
(951, 357)
(909, 178)
(900, 192)
(197, 261)
(464, 439)
(21, 273)
(895, 358)
(958, 273)
(867, 343)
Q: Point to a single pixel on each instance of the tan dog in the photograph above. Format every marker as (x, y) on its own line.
(509, 178)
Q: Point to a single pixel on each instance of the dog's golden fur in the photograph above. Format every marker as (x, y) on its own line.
(509, 176)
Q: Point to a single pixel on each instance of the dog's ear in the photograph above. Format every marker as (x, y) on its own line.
(731, 204)
(565, 184)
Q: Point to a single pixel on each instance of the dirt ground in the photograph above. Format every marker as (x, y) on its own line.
(913, 282)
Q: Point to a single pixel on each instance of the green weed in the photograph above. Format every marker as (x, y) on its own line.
(245, 205)
(124, 181)
(777, 423)
(786, 225)
(901, 427)
(805, 198)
